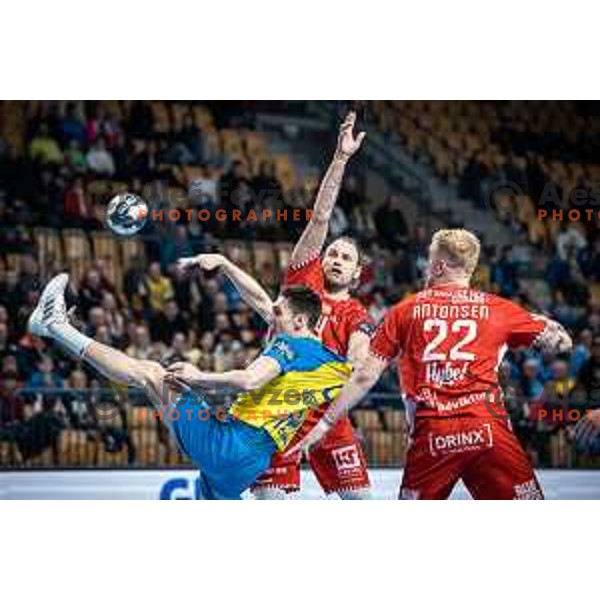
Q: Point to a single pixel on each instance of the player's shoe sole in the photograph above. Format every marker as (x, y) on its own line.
(51, 308)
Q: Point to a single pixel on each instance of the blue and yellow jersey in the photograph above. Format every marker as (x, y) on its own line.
(310, 375)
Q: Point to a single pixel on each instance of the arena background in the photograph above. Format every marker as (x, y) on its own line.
(493, 167)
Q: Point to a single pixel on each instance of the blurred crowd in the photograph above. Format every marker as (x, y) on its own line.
(212, 156)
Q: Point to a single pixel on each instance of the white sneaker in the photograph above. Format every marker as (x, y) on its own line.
(51, 308)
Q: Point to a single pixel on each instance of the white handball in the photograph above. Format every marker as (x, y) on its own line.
(126, 214)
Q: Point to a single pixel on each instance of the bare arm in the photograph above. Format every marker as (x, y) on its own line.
(315, 233)
(254, 376)
(363, 378)
(358, 347)
(250, 290)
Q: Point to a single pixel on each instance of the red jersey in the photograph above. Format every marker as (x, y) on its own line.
(339, 318)
(450, 341)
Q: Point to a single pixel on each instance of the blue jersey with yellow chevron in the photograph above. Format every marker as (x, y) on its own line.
(310, 375)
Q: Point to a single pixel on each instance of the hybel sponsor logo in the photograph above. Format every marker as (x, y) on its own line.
(346, 458)
(445, 373)
(462, 441)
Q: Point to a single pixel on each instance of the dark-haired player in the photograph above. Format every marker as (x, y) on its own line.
(344, 327)
(449, 340)
(231, 448)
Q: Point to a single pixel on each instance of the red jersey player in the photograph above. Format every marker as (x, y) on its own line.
(449, 340)
(345, 327)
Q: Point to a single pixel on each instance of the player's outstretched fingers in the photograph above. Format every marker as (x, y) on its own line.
(151, 374)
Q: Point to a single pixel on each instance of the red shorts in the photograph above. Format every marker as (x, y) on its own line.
(338, 463)
(484, 453)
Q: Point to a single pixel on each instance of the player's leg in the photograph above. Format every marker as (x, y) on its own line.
(503, 471)
(339, 463)
(280, 479)
(50, 320)
(430, 472)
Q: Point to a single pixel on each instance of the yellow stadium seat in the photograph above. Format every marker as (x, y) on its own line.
(367, 419)
(232, 143)
(255, 142)
(147, 447)
(284, 252)
(265, 267)
(595, 292)
(49, 245)
(285, 171)
(386, 448)
(160, 116)
(141, 417)
(394, 420)
(132, 249)
(239, 253)
(203, 118)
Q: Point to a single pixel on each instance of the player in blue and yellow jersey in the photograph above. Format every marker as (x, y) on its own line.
(232, 448)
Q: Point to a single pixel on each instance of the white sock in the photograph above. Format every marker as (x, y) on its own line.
(73, 340)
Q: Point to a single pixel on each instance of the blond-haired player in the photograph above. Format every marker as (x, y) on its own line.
(449, 340)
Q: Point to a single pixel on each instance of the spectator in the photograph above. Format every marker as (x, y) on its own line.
(159, 287)
(570, 240)
(45, 149)
(167, 323)
(390, 223)
(100, 160)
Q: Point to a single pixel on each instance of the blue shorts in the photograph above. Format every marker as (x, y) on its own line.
(230, 453)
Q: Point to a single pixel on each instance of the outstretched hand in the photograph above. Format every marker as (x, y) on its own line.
(348, 144)
(182, 374)
(314, 437)
(208, 262)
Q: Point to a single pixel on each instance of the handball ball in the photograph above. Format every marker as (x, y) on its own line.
(126, 214)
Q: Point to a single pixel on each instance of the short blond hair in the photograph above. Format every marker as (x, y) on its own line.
(460, 247)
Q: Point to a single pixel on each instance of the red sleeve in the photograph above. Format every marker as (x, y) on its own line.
(522, 327)
(308, 273)
(360, 320)
(388, 338)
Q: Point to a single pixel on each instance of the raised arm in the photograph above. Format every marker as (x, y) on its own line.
(250, 290)
(254, 376)
(315, 233)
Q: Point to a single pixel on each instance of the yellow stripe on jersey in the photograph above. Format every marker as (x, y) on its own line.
(311, 375)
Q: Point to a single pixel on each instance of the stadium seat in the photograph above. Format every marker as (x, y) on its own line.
(7, 454)
(386, 447)
(232, 143)
(595, 292)
(75, 449)
(43, 460)
(132, 249)
(367, 419)
(160, 115)
(49, 245)
(284, 252)
(111, 459)
(239, 253)
(285, 171)
(147, 447)
(77, 251)
(265, 267)
(394, 420)
(141, 417)
(203, 118)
